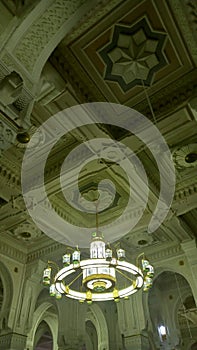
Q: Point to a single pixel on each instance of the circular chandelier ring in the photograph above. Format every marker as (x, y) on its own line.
(82, 296)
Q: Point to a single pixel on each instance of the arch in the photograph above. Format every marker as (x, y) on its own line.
(184, 296)
(179, 269)
(43, 337)
(91, 336)
(96, 316)
(42, 313)
(64, 19)
(158, 271)
(7, 285)
(169, 290)
(194, 346)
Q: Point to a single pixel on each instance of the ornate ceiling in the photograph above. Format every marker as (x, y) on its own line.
(141, 54)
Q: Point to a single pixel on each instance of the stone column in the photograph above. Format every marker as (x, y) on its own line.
(12, 341)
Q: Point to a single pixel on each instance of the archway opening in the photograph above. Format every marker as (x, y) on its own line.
(96, 328)
(92, 337)
(171, 304)
(43, 337)
(194, 346)
(187, 319)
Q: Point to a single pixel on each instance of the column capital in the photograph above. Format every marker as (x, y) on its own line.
(12, 341)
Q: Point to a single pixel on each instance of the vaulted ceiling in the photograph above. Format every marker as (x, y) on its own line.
(140, 54)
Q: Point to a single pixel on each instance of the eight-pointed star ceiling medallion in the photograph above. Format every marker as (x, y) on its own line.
(134, 55)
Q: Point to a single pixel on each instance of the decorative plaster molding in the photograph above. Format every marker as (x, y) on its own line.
(139, 239)
(50, 250)
(43, 30)
(133, 54)
(170, 97)
(190, 245)
(9, 176)
(12, 340)
(14, 253)
(165, 101)
(27, 231)
(10, 63)
(7, 134)
(156, 253)
(94, 16)
(83, 92)
(163, 253)
(181, 156)
(185, 13)
(185, 192)
(15, 107)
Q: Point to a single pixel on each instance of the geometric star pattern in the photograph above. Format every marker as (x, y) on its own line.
(134, 55)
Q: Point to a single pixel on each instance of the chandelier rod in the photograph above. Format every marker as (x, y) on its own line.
(53, 263)
(123, 274)
(137, 259)
(75, 279)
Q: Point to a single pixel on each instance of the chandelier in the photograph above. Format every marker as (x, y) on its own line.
(104, 276)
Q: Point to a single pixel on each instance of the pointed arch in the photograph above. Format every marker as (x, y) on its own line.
(96, 316)
(42, 313)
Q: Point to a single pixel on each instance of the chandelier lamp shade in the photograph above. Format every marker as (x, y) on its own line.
(104, 276)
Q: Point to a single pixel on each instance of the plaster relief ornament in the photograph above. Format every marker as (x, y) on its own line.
(186, 156)
(33, 174)
(134, 54)
(10, 88)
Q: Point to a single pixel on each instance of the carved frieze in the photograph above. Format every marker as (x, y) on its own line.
(43, 30)
(14, 253)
